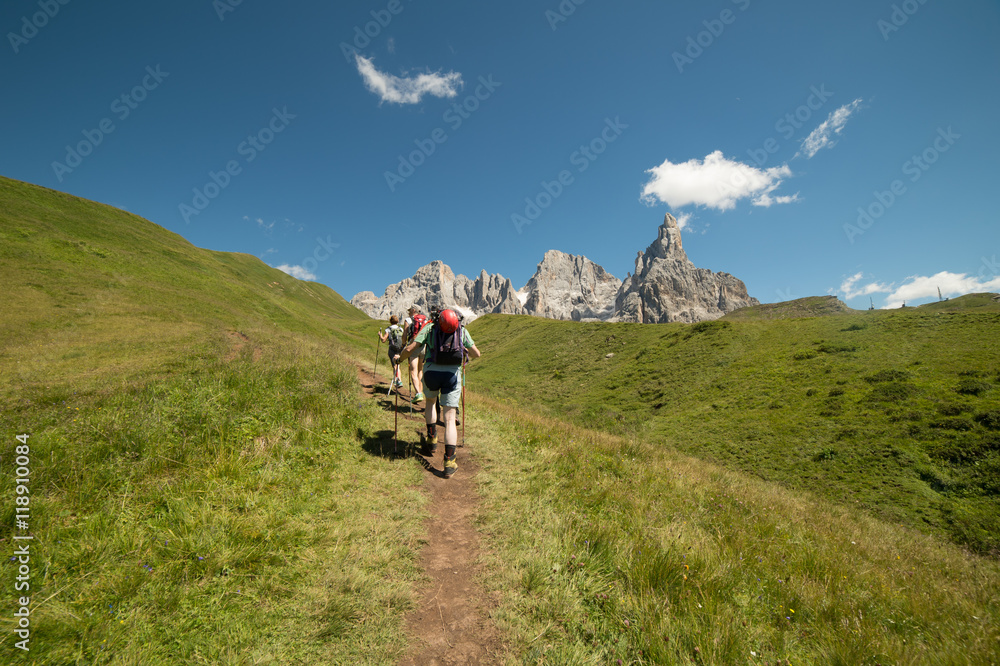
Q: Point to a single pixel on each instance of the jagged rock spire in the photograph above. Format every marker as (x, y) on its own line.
(667, 287)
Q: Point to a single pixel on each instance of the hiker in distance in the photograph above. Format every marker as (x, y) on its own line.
(394, 336)
(447, 345)
(415, 323)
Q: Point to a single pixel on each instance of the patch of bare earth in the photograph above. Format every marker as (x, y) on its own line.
(451, 624)
(239, 340)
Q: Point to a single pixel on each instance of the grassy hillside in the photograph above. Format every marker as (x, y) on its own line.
(208, 485)
(93, 290)
(204, 485)
(813, 306)
(895, 412)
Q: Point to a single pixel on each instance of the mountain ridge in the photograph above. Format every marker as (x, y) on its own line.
(666, 287)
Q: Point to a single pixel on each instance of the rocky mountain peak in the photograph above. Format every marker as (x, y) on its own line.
(667, 286)
(567, 286)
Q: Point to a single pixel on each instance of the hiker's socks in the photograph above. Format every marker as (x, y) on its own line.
(431, 432)
(449, 452)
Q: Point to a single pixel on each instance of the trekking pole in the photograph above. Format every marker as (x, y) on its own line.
(395, 428)
(377, 350)
(465, 417)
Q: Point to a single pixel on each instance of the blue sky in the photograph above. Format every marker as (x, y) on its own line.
(807, 148)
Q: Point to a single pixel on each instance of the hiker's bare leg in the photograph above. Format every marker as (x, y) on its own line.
(450, 431)
(416, 363)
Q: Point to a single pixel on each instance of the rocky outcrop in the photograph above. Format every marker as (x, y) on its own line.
(567, 286)
(667, 287)
(435, 285)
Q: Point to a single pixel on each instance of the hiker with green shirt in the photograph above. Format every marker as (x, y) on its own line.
(447, 346)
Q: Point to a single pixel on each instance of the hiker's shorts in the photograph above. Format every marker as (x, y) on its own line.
(445, 382)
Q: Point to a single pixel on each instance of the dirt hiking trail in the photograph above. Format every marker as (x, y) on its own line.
(451, 624)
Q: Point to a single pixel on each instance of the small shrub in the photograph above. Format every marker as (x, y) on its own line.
(959, 423)
(950, 410)
(831, 348)
(887, 376)
(855, 327)
(709, 327)
(971, 373)
(892, 392)
(975, 387)
(990, 419)
(835, 392)
(804, 355)
(828, 453)
(832, 408)
(811, 392)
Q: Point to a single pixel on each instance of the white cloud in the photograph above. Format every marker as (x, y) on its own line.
(297, 272)
(821, 137)
(849, 287)
(951, 284)
(409, 90)
(716, 182)
(684, 220)
(261, 224)
(917, 287)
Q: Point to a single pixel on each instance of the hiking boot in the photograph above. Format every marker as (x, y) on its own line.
(450, 466)
(398, 384)
(418, 397)
(430, 441)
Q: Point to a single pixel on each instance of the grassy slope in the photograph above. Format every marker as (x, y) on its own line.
(193, 509)
(619, 550)
(205, 486)
(894, 412)
(91, 289)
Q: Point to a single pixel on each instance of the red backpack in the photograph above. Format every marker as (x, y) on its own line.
(419, 321)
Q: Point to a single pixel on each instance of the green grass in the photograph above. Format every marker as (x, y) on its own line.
(206, 484)
(235, 512)
(209, 486)
(611, 548)
(889, 412)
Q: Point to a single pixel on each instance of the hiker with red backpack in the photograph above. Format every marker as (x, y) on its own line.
(414, 324)
(447, 345)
